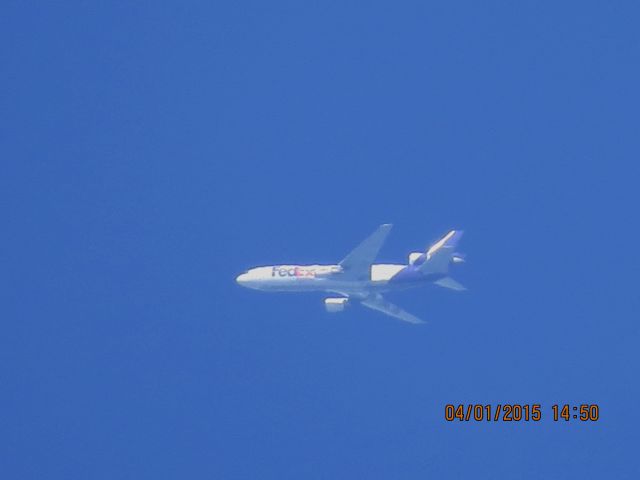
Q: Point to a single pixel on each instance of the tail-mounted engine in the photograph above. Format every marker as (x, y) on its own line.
(335, 304)
(417, 258)
(457, 258)
(413, 256)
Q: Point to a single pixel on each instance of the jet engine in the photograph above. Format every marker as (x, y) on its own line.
(413, 256)
(335, 304)
(457, 258)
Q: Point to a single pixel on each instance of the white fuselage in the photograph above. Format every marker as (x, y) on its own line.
(357, 277)
(325, 278)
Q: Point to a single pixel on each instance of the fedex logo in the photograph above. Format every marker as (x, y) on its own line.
(298, 272)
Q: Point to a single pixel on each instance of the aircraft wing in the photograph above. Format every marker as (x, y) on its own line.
(357, 264)
(448, 282)
(377, 302)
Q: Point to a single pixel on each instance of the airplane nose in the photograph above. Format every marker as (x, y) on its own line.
(241, 279)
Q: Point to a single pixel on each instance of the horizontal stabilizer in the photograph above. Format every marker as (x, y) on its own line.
(448, 282)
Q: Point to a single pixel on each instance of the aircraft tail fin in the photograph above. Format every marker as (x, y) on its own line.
(442, 253)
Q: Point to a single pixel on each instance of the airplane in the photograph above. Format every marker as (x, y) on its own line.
(357, 277)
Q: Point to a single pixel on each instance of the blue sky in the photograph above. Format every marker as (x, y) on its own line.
(151, 152)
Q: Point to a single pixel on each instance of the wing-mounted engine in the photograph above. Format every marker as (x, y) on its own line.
(335, 304)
